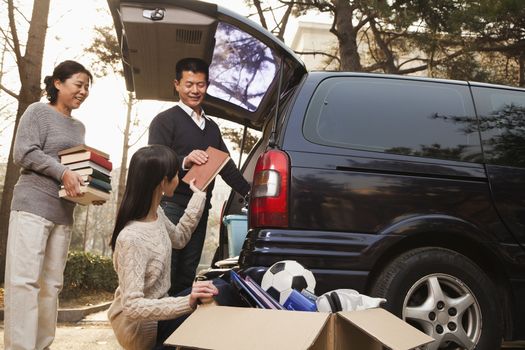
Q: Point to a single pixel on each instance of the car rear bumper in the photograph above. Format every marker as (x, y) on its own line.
(338, 259)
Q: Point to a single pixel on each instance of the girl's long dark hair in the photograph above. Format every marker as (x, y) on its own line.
(147, 168)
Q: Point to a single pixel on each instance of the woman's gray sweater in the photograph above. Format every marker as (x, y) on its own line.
(41, 134)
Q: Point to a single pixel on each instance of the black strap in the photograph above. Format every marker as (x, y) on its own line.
(336, 302)
(330, 302)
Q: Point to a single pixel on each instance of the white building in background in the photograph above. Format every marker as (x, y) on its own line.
(315, 37)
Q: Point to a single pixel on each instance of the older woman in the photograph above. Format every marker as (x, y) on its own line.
(40, 222)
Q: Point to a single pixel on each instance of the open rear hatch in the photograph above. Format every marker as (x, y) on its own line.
(244, 58)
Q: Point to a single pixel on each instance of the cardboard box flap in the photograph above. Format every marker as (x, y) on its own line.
(387, 328)
(220, 327)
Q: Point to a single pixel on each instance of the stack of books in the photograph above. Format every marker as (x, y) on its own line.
(95, 167)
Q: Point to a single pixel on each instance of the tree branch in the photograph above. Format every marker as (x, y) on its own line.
(362, 22)
(131, 144)
(389, 56)
(8, 40)
(322, 6)
(437, 62)
(284, 20)
(413, 69)
(319, 53)
(412, 60)
(14, 33)
(9, 92)
(260, 12)
(502, 48)
(333, 30)
(22, 15)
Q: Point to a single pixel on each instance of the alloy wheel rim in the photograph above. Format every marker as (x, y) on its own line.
(445, 308)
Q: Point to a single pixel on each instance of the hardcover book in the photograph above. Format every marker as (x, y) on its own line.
(99, 184)
(88, 164)
(86, 155)
(245, 292)
(253, 294)
(82, 148)
(86, 173)
(205, 173)
(96, 183)
(89, 195)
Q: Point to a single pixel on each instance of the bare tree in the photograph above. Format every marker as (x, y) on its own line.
(29, 66)
(106, 48)
(5, 107)
(279, 15)
(346, 25)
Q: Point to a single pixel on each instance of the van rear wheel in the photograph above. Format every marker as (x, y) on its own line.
(445, 295)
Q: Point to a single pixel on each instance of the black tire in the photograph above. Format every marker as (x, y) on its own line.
(410, 282)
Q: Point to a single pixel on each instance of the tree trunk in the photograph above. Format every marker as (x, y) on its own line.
(347, 36)
(389, 65)
(85, 236)
(521, 79)
(125, 149)
(104, 247)
(29, 70)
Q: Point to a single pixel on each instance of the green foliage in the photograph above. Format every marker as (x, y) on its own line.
(235, 136)
(106, 48)
(86, 271)
(445, 38)
(464, 67)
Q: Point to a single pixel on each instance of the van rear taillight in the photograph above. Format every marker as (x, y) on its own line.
(269, 194)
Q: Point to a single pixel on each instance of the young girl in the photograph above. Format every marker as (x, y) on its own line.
(40, 222)
(142, 242)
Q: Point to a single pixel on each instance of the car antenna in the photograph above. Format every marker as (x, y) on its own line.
(273, 135)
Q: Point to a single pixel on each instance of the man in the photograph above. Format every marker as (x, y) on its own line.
(187, 130)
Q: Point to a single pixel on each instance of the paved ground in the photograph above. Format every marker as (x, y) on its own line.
(94, 333)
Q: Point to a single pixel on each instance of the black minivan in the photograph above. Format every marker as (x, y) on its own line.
(408, 188)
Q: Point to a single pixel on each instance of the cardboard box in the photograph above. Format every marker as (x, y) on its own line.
(232, 328)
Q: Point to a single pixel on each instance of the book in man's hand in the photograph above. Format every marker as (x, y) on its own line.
(89, 195)
(205, 173)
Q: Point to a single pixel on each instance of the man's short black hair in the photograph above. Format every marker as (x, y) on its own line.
(191, 64)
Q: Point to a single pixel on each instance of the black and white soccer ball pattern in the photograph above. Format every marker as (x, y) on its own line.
(283, 276)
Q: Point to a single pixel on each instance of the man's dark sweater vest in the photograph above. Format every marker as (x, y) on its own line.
(176, 129)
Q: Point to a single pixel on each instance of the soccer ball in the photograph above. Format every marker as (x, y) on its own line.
(284, 276)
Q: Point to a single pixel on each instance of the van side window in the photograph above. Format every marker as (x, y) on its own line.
(407, 117)
(502, 124)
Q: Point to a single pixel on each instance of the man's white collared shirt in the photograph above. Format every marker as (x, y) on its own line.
(200, 120)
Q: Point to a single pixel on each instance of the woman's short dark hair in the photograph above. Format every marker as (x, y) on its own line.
(191, 64)
(62, 72)
(147, 168)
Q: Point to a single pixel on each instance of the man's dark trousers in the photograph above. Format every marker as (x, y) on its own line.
(184, 261)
